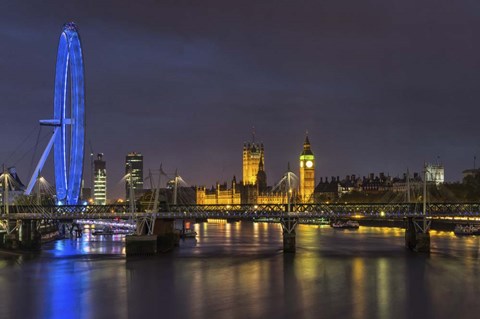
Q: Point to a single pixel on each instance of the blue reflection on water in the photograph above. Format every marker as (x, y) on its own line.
(239, 271)
(87, 244)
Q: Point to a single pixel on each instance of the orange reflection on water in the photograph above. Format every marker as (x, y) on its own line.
(358, 293)
(383, 288)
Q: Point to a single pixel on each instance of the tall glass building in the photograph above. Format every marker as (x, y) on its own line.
(100, 181)
(134, 166)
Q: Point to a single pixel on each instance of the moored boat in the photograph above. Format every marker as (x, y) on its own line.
(104, 231)
(188, 233)
(466, 230)
(349, 224)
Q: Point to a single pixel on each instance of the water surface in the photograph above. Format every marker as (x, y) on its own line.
(239, 271)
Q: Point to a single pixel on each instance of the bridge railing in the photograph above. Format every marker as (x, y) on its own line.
(54, 210)
(251, 210)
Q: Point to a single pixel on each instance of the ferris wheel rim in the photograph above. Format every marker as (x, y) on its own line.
(69, 65)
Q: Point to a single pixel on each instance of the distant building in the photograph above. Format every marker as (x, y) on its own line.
(401, 184)
(326, 190)
(470, 172)
(307, 173)
(134, 166)
(376, 184)
(349, 184)
(435, 173)
(253, 188)
(100, 181)
(335, 188)
(221, 194)
(252, 156)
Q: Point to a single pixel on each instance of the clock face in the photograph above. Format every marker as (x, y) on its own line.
(309, 164)
(301, 163)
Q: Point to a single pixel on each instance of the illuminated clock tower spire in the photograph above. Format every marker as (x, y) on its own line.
(307, 173)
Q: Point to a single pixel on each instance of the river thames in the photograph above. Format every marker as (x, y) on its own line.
(238, 270)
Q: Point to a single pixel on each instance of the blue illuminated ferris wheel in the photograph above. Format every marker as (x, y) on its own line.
(68, 148)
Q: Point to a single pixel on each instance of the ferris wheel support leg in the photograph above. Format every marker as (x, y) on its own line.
(41, 162)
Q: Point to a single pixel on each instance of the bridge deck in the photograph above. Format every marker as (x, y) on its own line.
(387, 210)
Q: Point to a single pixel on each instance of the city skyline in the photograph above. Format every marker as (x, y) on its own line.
(379, 88)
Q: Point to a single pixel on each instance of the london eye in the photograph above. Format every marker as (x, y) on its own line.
(68, 117)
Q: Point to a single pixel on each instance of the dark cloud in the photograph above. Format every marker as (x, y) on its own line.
(380, 85)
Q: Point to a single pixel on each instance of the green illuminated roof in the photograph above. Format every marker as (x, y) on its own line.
(307, 157)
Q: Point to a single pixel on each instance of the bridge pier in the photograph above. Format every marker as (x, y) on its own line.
(167, 239)
(24, 235)
(162, 239)
(28, 235)
(10, 240)
(140, 245)
(417, 235)
(289, 236)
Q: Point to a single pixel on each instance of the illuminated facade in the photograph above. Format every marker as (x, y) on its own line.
(221, 195)
(252, 189)
(100, 181)
(435, 173)
(307, 173)
(134, 166)
(252, 156)
(272, 198)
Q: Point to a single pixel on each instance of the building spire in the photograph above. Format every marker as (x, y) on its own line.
(260, 165)
(306, 144)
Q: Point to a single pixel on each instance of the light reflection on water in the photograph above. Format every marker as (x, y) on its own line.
(238, 270)
(88, 244)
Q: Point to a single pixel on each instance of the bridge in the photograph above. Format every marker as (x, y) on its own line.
(242, 211)
(25, 218)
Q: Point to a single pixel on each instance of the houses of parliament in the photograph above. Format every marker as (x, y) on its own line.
(253, 189)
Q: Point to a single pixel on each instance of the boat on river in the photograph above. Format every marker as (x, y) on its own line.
(466, 230)
(188, 233)
(349, 224)
(105, 231)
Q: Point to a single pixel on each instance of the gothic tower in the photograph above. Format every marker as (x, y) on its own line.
(261, 178)
(307, 173)
(252, 156)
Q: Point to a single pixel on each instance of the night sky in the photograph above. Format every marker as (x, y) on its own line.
(380, 85)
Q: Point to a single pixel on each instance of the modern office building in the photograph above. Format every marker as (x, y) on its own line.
(100, 181)
(134, 166)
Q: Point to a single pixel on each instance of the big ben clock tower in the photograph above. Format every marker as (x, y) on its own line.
(307, 173)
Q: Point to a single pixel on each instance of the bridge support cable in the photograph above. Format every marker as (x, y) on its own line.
(6, 207)
(145, 224)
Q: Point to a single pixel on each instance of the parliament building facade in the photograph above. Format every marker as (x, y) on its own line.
(253, 188)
